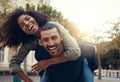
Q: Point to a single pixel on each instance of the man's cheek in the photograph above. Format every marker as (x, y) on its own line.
(43, 44)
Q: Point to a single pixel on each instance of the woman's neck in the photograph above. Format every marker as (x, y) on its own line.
(38, 33)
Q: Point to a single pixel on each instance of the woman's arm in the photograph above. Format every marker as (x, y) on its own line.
(23, 76)
(17, 59)
(72, 49)
(43, 64)
(20, 55)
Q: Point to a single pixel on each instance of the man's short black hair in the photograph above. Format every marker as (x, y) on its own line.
(49, 26)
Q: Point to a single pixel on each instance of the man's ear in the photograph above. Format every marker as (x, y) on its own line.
(40, 42)
(61, 37)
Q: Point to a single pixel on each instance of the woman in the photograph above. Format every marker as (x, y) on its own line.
(23, 27)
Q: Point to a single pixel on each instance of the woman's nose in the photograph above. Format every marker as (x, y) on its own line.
(26, 22)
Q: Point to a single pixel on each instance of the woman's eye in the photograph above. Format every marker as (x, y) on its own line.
(22, 25)
(27, 18)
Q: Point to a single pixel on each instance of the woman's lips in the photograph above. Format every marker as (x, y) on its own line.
(30, 27)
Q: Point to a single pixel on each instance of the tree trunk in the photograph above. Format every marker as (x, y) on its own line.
(99, 67)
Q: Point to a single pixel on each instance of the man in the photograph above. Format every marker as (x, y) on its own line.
(66, 71)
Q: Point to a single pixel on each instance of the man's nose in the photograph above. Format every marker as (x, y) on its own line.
(50, 43)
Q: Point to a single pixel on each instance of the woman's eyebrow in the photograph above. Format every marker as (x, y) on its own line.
(21, 24)
(25, 17)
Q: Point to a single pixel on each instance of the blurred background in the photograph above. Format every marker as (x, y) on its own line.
(94, 22)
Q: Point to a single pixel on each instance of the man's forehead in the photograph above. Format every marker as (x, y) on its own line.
(49, 32)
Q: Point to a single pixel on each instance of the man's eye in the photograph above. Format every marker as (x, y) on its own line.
(45, 40)
(54, 37)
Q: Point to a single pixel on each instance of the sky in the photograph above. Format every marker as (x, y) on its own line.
(88, 14)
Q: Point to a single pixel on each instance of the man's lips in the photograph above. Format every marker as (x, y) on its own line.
(51, 48)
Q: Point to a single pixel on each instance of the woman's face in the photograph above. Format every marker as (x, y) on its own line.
(28, 24)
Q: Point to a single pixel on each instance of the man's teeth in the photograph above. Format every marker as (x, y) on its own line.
(52, 48)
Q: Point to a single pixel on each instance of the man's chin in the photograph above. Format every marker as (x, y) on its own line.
(53, 54)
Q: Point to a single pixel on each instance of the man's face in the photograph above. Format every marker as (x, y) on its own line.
(51, 41)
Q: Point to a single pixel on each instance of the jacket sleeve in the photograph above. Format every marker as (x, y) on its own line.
(20, 55)
(89, 52)
(72, 50)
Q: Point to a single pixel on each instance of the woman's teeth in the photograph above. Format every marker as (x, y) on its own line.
(30, 27)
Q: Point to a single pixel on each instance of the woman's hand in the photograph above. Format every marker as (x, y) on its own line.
(41, 65)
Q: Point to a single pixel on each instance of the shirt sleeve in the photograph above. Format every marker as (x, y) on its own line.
(72, 49)
(20, 55)
(89, 53)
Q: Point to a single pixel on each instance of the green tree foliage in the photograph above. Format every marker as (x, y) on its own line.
(38, 7)
(112, 57)
(108, 59)
(117, 42)
(5, 7)
(115, 31)
(45, 9)
(2, 16)
(30, 7)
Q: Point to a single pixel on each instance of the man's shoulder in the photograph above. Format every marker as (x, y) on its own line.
(86, 47)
